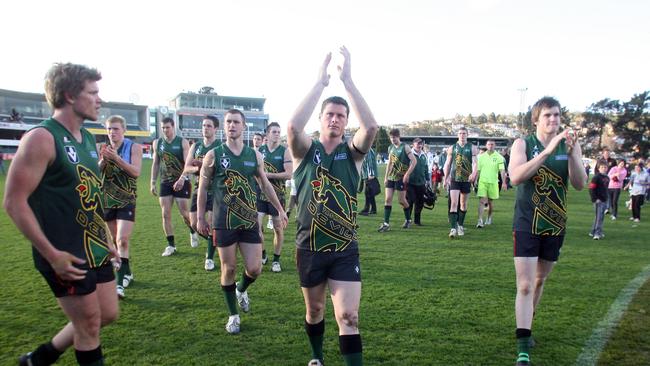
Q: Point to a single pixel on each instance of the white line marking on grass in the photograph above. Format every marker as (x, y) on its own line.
(594, 346)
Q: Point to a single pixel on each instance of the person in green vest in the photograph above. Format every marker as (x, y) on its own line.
(541, 166)
(370, 183)
(120, 162)
(169, 154)
(278, 167)
(401, 163)
(460, 173)
(53, 195)
(193, 163)
(232, 172)
(420, 178)
(490, 165)
(327, 178)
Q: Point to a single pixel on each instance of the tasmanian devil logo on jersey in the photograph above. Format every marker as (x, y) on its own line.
(549, 198)
(89, 189)
(335, 213)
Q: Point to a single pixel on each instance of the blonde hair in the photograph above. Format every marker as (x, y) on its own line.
(116, 118)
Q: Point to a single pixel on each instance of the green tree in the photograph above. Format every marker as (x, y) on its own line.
(482, 119)
(597, 116)
(382, 141)
(633, 124)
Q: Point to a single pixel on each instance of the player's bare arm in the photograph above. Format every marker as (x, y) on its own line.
(473, 176)
(35, 154)
(364, 137)
(268, 190)
(192, 166)
(412, 163)
(577, 174)
(155, 168)
(298, 141)
(205, 176)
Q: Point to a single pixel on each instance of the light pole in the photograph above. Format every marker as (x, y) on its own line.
(522, 105)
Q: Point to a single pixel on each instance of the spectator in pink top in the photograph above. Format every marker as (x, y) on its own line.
(616, 176)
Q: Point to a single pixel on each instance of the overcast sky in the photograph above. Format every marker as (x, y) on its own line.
(412, 60)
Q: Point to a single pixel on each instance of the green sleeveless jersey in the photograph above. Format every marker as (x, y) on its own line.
(274, 163)
(172, 161)
(327, 199)
(120, 189)
(199, 152)
(461, 162)
(540, 206)
(68, 200)
(233, 187)
(401, 161)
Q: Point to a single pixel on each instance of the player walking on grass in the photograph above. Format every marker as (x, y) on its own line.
(53, 195)
(460, 172)
(169, 154)
(490, 165)
(327, 178)
(193, 164)
(230, 171)
(541, 166)
(278, 167)
(120, 161)
(401, 163)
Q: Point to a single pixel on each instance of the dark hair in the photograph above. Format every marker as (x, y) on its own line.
(259, 134)
(272, 124)
(168, 120)
(394, 132)
(67, 78)
(235, 111)
(214, 119)
(336, 100)
(417, 139)
(545, 102)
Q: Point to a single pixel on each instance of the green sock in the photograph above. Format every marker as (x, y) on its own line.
(120, 275)
(453, 219)
(245, 282)
(523, 344)
(315, 333)
(231, 298)
(407, 213)
(353, 359)
(126, 266)
(211, 248)
(461, 217)
(276, 257)
(351, 349)
(387, 210)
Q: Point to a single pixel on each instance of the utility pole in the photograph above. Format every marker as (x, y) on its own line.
(522, 105)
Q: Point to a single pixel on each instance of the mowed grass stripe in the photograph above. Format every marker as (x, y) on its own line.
(427, 299)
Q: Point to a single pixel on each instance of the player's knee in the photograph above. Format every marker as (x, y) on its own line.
(254, 271)
(315, 310)
(525, 288)
(109, 316)
(228, 270)
(349, 319)
(123, 242)
(539, 282)
(88, 327)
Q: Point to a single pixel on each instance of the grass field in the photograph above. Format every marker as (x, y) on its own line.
(427, 299)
